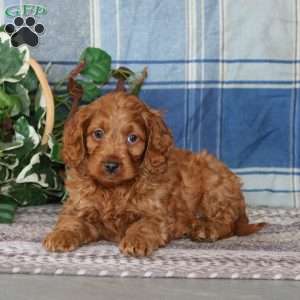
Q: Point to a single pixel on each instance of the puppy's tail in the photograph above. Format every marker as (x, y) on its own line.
(242, 226)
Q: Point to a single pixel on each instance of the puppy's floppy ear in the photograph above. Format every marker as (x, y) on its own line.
(158, 144)
(73, 140)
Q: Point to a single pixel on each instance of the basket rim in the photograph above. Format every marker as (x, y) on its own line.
(49, 99)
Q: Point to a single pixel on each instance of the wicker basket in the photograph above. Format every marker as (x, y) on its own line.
(47, 93)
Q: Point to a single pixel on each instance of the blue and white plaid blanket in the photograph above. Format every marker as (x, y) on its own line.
(227, 73)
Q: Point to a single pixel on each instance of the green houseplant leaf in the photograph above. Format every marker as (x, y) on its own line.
(136, 81)
(39, 171)
(55, 150)
(26, 134)
(27, 194)
(90, 90)
(10, 103)
(97, 65)
(30, 81)
(8, 208)
(20, 95)
(25, 131)
(122, 73)
(13, 65)
(9, 161)
(5, 174)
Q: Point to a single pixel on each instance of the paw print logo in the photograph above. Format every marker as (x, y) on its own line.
(24, 31)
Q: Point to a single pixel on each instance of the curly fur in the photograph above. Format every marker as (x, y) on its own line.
(159, 193)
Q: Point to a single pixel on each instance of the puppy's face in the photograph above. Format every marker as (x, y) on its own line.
(115, 141)
(115, 137)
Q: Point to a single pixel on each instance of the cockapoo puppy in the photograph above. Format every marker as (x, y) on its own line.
(129, 184)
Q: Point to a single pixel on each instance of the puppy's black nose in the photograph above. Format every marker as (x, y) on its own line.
(111, 167)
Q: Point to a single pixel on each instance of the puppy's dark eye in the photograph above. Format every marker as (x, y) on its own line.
(98, 134)
(132, 138)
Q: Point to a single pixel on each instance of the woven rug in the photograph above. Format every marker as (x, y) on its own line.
(274, 253)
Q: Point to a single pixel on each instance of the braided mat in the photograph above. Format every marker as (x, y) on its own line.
(274, 253)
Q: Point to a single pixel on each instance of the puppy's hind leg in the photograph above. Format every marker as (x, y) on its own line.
(210, 231)
(213, 230)
(222, 224)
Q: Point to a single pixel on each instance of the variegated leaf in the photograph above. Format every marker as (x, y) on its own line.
(9, 161)
(10, 146)
(27, 194)
(39, 171)
(15, 58)
(5, 174)
(55, 150)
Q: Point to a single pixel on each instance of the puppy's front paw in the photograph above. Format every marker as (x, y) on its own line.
(136, 245)
(61, 241)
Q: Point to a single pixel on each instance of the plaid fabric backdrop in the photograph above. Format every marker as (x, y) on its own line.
(227, 73)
